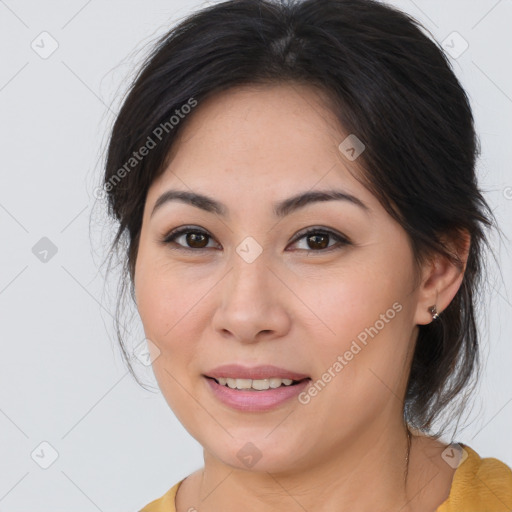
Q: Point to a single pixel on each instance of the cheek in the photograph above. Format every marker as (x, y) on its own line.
(166, 308)
(163, 297)
(171, 304)
(363, 332)
(348, 303)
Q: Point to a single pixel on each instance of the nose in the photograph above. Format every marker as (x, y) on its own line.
(252, 302)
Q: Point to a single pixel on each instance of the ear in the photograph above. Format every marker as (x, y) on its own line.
(441, 278)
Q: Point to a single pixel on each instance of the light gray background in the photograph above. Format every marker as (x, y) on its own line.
(62, 378)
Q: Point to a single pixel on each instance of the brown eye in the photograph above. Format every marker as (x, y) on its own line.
(196, 240)
(320, 241)
(191, 239)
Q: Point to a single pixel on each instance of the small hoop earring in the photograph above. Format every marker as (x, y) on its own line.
(433, 312)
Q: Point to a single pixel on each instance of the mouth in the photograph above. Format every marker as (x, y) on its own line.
(255, 388)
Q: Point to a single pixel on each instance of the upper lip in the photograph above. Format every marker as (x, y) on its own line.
(235, 371)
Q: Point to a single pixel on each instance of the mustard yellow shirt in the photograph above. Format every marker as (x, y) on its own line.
(479, 485)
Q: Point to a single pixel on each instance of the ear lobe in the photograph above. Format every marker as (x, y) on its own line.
(442, 277)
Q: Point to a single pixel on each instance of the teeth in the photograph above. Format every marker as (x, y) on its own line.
(258, 384)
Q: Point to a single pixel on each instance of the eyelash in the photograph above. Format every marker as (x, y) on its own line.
(173, 235)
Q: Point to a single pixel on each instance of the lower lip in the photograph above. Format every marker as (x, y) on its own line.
(243, 400)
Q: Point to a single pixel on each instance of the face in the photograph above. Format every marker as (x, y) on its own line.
(324, 289)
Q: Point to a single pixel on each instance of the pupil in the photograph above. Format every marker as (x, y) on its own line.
(315, 241)
(192, 239)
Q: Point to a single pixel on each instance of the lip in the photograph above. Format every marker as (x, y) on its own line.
(255, 401)
(236, 371)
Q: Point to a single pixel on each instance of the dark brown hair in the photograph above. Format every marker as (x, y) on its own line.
(387, 82)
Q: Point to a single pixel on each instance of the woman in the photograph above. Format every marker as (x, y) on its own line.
(295, 183)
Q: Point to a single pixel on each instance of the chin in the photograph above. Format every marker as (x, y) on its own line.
(259, 455)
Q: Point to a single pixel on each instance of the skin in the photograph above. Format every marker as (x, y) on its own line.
(297, 306)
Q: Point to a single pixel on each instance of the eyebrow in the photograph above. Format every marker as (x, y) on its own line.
(281, 209)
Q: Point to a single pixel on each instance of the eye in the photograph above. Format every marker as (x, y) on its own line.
(197, 238)
(194, 239)
(317, 238)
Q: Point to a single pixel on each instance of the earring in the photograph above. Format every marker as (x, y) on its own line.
(433, 312)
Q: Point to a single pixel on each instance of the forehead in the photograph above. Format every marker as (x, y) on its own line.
(272, 138)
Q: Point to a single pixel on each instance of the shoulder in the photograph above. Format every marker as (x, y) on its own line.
(479, 484)
(165, 503)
